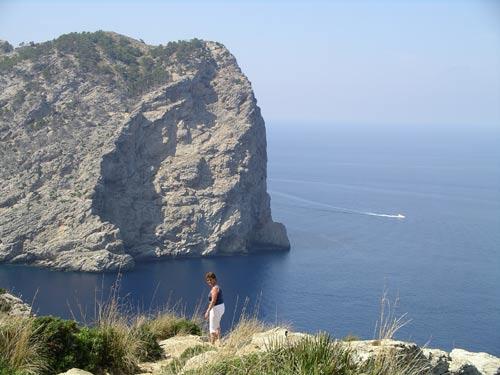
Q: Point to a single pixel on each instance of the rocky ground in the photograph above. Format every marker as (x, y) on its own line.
(457, 362)
(190, 352)
(113, 151)
(13, 306)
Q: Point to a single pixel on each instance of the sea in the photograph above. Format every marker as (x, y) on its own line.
(390, 222)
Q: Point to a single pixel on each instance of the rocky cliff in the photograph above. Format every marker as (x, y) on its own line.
(113, 151)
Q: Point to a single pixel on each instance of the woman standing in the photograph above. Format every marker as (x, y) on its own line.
(215, 308)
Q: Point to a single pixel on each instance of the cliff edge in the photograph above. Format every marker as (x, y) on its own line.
(113, 151)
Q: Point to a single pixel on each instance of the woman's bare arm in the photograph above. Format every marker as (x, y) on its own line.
(213, 293)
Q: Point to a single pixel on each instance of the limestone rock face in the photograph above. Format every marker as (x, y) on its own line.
(113, 151)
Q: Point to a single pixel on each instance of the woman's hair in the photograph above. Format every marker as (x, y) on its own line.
(211, 276)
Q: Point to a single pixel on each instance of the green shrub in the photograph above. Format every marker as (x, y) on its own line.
(104, 349)
(194, 351)
(8, 62)
(251, 364)
(120, 351)
(121, 51)
(5, 369)
(91, 348)
(34, 51)
(104, 54)
(3, 290)
(350, 337)
(6, 47)
(5, 307)
(188, 327)
(151, 350)
(115, 347)
(59, 340)
(174, 367)
(184, 51)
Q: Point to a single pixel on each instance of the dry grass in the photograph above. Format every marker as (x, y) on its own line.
(393, 363)
(161, 324)
(120, 331)
(390, 360)
(19, 351)
(123, 337)
(318, 354)
(242, 333)
(389, 322)
(248, 324)
(168, 324)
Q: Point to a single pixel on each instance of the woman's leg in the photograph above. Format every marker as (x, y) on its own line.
(220, 313)
(218, 334)
(215, 318)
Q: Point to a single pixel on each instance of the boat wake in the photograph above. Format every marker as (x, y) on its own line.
(328, 207)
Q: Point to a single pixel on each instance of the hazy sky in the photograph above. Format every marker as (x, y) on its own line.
(402, 63)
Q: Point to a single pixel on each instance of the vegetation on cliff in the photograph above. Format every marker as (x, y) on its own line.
(115, 343)
(115, 58)
(118, 342)
(165, 343)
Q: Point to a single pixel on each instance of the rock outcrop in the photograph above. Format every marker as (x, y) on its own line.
(436, 361)
(113, 151)
(423, 360)
(13, 306)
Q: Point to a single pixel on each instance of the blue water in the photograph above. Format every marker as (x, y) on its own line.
(442, 261)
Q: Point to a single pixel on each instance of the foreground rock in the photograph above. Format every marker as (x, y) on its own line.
(438, 362)
(173, 348)
(75, 371)
(265, 340)
(13, 306)
(431, 361)
(484, 363)
(115, 151)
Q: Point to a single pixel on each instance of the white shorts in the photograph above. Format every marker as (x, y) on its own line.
(214, 317)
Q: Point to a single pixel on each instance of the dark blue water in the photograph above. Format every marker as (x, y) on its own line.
(326, 183)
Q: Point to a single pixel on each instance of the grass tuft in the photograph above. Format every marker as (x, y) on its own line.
(241, 334)
(20, 352)
(167, 324)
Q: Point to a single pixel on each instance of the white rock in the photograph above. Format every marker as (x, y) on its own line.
(203, 359)
(483, 363)
(364, 350)
(266, 340)
(75, 371)
(175, 346)
(438, 359)
(154, 367)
